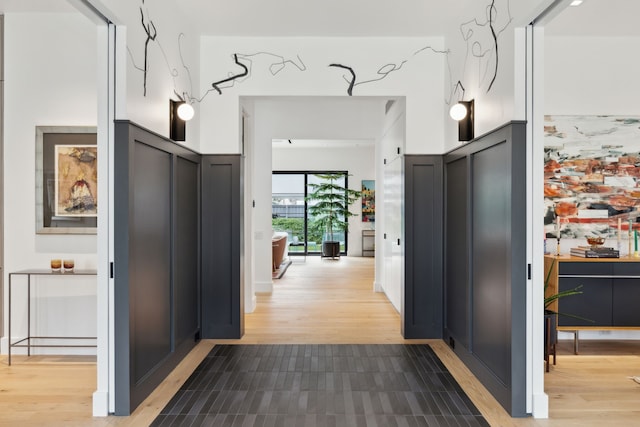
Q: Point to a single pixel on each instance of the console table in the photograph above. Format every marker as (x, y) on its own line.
(610, 292)
(368, 243)
(27, 341)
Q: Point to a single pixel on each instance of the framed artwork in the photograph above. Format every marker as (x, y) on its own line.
(591, 176)
(66, 180)
(368, 200)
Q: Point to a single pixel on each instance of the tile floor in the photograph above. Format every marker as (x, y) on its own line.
(321, 385)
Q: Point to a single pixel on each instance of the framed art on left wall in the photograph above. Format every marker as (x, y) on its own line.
(66, 180)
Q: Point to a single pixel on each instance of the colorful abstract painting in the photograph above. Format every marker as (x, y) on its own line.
(76, 180)
(368, 200)
(591, 173)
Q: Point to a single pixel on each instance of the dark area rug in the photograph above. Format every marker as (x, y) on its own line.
(321, 385)
(281, 270)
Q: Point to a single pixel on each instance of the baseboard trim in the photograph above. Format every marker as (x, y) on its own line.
(100, 403)
(540, 406)
(263, 287)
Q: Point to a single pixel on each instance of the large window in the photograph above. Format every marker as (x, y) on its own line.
(290, 214)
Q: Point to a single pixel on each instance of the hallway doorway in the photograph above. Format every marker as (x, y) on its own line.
(293, 134)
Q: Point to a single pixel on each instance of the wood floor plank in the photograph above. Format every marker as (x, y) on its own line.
(330, 301)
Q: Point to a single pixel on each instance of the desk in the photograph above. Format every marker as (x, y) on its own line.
(28, 338)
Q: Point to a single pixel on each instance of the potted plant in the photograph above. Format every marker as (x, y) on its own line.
(331, 210)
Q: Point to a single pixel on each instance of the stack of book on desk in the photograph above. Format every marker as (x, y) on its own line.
(593, 252)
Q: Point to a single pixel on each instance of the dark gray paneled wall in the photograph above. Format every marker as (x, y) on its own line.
(486, 270)
(222, 221)
(491, 236)
(457, 290)
(187, 255)
(150, 258)
(156, 260)
(422, 300)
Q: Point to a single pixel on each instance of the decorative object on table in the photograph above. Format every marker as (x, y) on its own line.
(619, 234)
(66, 180)
(56, 265)
(595, 249)
(558, 235)
(595, 242)
(331, 209)
(595, 252)
(630, 237)
(368, 200)
(68, 265)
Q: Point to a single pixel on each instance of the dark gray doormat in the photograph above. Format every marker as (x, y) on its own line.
(321, 385)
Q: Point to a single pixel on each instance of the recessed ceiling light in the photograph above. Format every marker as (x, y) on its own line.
(576, 2)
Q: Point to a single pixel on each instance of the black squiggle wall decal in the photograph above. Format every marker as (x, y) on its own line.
(475, 47)
(233, 77)
(277, 66)
(492, 9)
(353, 77)
(152, 33)
(384, 71)
(245, 60)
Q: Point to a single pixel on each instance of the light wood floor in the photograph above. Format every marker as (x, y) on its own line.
(325, 301)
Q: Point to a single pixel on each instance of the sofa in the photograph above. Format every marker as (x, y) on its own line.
(278, 248)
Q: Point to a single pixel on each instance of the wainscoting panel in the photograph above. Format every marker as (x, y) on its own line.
(222, 220)
(485, 243)
(156, 260)
(422, 300)
(457, 289)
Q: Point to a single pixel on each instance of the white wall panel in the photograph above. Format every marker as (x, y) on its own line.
(50, 79)
(306, 72)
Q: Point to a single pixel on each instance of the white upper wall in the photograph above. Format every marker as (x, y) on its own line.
(485, 58)
(50, 80)
(333, 117)
(300, 67)
(172, 63)
(591, 75)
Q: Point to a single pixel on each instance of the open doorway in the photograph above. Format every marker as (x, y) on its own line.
(47, 69)
(327, 133)
(584, 83)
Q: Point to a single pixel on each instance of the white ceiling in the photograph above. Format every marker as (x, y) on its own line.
(20, 6)
(604, 18)
(288, 18)
(382, 18)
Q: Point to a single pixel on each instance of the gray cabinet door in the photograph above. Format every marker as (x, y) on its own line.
(222, 219)
(595, 303)
(626, 296)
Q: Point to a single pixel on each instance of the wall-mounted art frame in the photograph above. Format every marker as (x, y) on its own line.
(66, 180)
(591, 175)
(368, 200)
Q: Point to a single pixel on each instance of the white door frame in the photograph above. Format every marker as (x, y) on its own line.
(107, 40)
